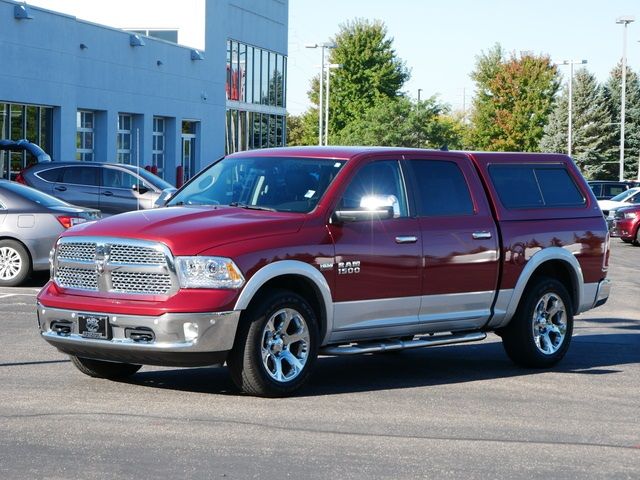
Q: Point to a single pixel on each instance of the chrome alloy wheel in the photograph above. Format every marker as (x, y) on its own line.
(285, 345)
(10, 263)
(549, 323)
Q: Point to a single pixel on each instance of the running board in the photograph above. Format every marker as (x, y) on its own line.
(396, 344)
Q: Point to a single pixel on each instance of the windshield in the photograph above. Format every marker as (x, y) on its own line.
(264, 183)
(621, 197)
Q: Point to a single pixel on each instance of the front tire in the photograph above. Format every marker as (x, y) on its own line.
(102, 369)
(276, 345)
(15, 263)
(539, 334)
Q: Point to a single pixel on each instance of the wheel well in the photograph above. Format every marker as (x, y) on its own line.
(562, 272)
(305, 288)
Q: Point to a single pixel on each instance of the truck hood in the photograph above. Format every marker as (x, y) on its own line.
(193, 229)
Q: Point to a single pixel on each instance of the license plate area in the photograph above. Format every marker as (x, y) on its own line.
(94, 326)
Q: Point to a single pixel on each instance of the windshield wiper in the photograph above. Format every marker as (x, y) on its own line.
(251, 207)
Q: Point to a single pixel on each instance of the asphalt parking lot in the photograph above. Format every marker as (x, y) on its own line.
(445, 412)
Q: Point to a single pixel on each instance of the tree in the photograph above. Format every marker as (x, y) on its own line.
(513, 100)
(612, 90)
(399, 122)
(592, 129)
(369, 70)
(303, 129)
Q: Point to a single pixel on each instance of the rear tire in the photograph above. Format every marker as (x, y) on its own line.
(102, 369)
(276, 345)
(15, 263)
(539, 334)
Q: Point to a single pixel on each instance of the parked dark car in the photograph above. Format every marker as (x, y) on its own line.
(109, 187)
(30, 223)
(606, 189)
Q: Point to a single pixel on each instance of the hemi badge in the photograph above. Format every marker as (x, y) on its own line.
(326, 266)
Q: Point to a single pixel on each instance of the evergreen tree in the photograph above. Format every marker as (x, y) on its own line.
(612, 90)
(514, 98)
(592, 129)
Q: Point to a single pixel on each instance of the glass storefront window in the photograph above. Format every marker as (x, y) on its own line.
(32, 122)
(158, 145)
(123, 147)
(84, 135)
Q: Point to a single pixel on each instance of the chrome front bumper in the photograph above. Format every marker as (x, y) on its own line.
(170, 345)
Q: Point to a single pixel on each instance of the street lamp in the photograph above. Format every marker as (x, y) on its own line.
(322, 46)
(571, 63)
(330, 66)
(624, 20)
(419, 92)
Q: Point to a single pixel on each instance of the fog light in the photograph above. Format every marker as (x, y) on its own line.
(190, 331)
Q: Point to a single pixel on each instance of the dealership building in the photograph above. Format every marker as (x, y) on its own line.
(90, 92)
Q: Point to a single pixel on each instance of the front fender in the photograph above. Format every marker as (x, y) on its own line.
(289, 267)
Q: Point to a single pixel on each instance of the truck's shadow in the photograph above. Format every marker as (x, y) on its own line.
(589, 354)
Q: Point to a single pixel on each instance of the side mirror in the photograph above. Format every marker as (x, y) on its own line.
(346, 216)
(141, 188)
(165, 196)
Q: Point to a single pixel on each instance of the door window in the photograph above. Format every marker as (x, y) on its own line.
(378, 184)
(50, 175)
(441, 189)
(115, 178)
(80, 176)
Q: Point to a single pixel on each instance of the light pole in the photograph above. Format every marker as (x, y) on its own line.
(571, 63)
(330, 66)
(419, 92)
(322, 46)
(624, 20)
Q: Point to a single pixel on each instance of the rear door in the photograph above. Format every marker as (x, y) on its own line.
(377, 261)
(460, 248)
(79, 185)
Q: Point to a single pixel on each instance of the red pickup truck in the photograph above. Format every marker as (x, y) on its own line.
(267, 259)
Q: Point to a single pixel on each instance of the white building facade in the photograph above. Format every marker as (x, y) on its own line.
(90, 92)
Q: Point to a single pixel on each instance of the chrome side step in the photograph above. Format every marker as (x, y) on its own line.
(396, 344)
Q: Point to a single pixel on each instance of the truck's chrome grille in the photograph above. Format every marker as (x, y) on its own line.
(114, 265)
(77, 251)
(134, 282)
(81, 278)
(136, 255)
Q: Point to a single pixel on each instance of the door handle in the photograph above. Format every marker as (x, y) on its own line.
(406, 239)
(107, 194)
(60, 188)
(481, 235)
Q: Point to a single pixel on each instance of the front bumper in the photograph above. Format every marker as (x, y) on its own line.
(168, 345)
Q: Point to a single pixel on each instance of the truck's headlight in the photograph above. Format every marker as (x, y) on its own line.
(630, 215)
(208, 272)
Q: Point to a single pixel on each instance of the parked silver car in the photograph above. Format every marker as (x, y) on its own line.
(30, 223)
(109, 187)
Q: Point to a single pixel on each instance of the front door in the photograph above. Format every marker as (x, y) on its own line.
(377, 263)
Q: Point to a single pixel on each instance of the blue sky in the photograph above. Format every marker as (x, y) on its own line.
(439, 40)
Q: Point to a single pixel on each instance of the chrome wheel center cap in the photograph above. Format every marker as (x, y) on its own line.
(277, 345)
